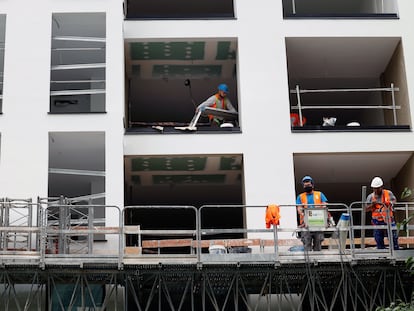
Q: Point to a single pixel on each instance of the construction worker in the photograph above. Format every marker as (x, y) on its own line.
(218, 100)
(312, 240)
(380, 203)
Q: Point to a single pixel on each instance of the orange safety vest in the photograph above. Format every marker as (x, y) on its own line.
(272, 215)
(379, 211)
(304, 201)
(218, 101)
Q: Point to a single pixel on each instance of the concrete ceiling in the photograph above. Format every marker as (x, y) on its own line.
(343, 57)
(350, 167)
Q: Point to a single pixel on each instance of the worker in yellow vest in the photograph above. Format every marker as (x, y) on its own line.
(218, 100)
(312, 240)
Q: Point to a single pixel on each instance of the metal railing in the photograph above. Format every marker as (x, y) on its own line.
(339, 8)
(65, 234)
(392, 89)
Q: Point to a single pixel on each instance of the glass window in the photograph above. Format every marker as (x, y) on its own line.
(340, 8)
(77, 171)
(2, 46)
(78, 63)
(179, 9)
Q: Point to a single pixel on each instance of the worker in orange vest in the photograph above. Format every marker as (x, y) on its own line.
(312, 240)
(219, 100)
(380, 203)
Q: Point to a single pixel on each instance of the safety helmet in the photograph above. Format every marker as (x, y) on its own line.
(223, 87)
(307, 178)
(377, 182)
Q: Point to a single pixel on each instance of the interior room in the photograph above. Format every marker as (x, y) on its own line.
(360, 82)
(184, 180)
(167, 80)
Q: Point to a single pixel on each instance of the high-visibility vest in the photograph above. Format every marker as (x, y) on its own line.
(272, 215)
(217, 102)
(304, 200)
(379, 211)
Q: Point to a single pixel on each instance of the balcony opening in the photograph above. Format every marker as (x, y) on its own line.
(347, 84)
(2, 47)
(340, 9)
(78, 63)
(184, 180)
(167, 80)
(179, 9)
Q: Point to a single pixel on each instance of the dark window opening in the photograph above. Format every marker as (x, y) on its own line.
(183, 181)
(340, 9)
(179, 9)
(78, 63)
(77, 175)
(2, 47)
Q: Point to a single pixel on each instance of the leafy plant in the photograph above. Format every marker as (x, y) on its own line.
(397, 306)
(400, 305)
(406, 193)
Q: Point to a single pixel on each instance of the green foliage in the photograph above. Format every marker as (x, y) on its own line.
(400, 305)
(397, 306)
(406, 194)
(402, 226)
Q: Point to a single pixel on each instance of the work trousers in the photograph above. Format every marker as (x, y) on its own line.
(312, 240)
(379, 235)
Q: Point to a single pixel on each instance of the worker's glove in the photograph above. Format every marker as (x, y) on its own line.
(200, 109)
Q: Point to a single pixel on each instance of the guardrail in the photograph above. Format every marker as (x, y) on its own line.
(72, 235)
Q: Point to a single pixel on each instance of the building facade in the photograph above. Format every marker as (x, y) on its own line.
(96, 96)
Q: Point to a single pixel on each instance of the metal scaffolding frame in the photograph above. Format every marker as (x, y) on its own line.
(303, 286)
(334, 279)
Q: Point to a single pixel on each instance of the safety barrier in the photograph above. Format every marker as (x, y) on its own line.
(54, 231)
(164, 233)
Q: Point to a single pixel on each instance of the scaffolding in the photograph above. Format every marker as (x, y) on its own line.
(273, 276)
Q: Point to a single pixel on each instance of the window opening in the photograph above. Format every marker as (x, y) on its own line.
(78, 63)
(179, 9)
(340, 8)
(77, 173)
(2, 47)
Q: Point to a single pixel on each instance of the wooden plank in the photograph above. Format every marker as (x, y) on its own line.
(167, 243)
(254, 242)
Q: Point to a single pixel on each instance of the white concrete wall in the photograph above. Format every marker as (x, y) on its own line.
(25, 123)
(262, 92)
(268, 146)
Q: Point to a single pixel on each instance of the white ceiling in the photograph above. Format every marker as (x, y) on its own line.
(350, 167)
(331, 57)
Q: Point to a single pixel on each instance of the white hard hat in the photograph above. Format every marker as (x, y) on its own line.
(377, 182)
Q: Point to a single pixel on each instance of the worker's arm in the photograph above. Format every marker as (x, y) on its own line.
(369, 206)
(207, 103)
(230, 107)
